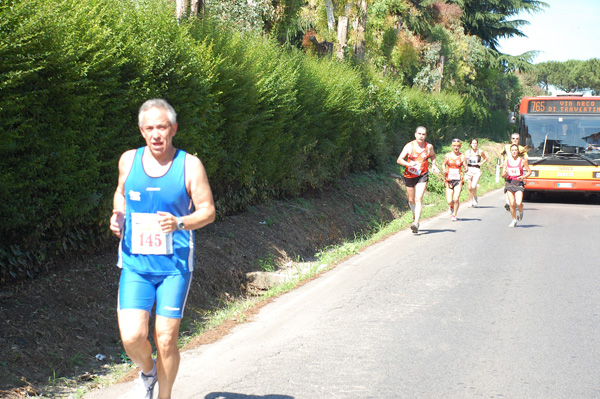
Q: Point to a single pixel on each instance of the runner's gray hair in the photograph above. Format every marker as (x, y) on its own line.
(161, 104)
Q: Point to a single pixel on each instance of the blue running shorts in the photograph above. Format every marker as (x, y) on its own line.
(140, 291)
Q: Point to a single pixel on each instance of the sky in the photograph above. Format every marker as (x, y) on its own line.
(566, 30)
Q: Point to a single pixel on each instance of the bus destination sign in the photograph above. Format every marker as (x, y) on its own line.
(571, 106)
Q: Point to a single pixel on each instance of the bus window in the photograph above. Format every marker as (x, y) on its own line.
(549, 134)
(592, 141)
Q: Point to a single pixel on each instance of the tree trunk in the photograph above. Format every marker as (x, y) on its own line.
(438, 85)
(194, 7)
(330, 17)
(342, 36)
(361, 25)
(180, 8)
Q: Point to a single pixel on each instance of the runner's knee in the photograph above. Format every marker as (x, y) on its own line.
(166, 341)
(133, 337)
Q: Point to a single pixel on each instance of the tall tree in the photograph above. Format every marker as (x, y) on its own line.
(491, 20)
(330, 16)
(181, 7)
(361, 27)
(570, 76)
(196, 7)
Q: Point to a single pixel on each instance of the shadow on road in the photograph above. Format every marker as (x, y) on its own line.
(527, 226)
(563, 198)
(434, 231)
(461, 219)
(233, 395)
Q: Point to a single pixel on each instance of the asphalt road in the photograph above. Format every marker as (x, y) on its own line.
(467, 309)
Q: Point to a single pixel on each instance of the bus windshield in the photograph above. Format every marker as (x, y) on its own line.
(546, 135)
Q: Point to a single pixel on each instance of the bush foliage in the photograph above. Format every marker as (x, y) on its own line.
(266, 120)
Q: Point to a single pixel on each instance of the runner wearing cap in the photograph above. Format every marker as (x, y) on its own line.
(453, 166)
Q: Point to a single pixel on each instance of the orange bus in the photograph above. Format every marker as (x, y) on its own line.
(562, 135)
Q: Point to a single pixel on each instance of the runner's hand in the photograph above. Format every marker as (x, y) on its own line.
(167, 221)
(117, 221)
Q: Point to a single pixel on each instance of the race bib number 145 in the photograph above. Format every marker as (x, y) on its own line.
(147, 237)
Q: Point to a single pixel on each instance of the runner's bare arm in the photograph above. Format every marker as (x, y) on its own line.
(445, 163)
(199, 189)
(432, 157)
(527, 168)
(117, 218)
(196, 183)
(402, 158)
(484, 158)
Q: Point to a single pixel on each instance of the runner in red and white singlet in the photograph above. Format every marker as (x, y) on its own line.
(514, 139)
(415, 158)
(513, 171)
(419, 161)
(453, 166)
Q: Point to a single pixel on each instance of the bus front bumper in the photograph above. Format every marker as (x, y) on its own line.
(561, 185)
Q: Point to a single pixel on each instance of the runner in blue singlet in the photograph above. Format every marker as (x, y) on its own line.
(162, 195)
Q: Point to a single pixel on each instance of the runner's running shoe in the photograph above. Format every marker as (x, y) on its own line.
(414, 227)
(144, 388)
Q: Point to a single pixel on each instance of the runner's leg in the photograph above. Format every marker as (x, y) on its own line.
(519, 200)
(449, 195)
(511, 201)
(474, 182)
(133, 325)
(419, 194)
(410, 193)
(456, 197)
(167, 362)
(470, 182)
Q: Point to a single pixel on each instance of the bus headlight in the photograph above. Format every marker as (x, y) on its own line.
(536, 173)
(596, 175)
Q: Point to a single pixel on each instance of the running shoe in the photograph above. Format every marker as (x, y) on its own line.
(144, 386)
(414, 227)
(453, 218)
(520, 216)
(507, 206)
(513, 223)
(470, 204)
(475, 201)
(451, 211)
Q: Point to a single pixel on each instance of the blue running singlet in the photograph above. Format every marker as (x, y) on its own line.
(143, 248)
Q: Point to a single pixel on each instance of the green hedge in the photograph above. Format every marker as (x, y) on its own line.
(267, 121)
